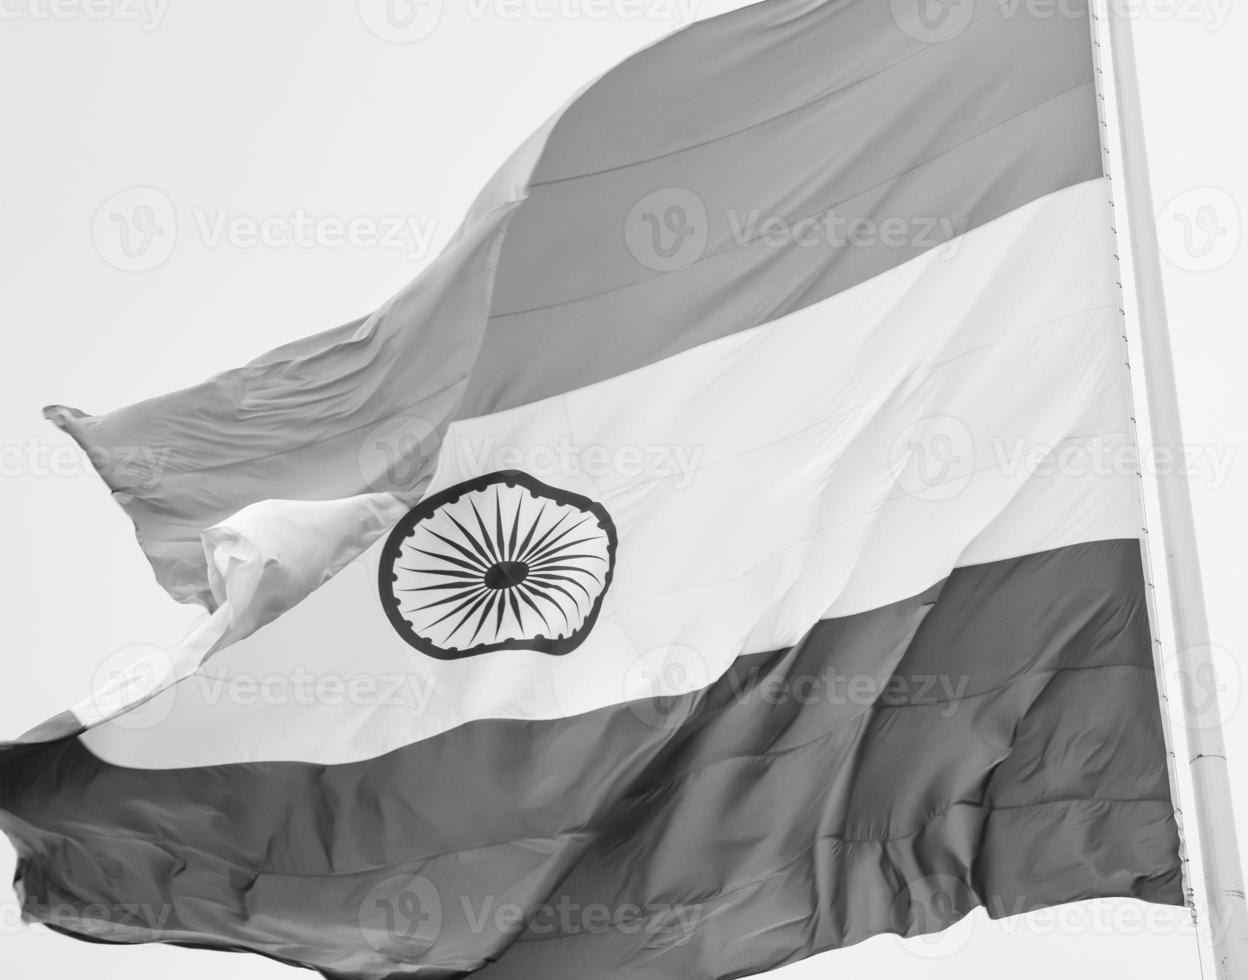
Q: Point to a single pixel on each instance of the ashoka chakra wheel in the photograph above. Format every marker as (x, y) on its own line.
(502, 562)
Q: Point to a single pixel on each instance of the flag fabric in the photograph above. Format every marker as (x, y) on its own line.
(727, 551)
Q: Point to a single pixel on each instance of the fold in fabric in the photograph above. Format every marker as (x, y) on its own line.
(843, 114)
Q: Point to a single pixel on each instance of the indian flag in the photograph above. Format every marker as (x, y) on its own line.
(720, 554)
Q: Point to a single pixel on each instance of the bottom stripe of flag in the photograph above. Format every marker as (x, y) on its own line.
(995, 741)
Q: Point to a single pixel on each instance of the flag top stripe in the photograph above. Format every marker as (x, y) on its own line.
(784, 108)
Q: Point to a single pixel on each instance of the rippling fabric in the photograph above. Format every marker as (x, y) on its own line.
(788, 110)
(993, 741)
(664, 584)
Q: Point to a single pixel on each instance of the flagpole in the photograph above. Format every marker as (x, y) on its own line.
(1220, 858)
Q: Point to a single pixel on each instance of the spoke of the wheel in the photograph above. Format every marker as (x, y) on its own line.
(483, 618)
(551, 546)
(466, 602)
(567, 568)
(446, 572)
(459, 562)
(547, 579)
(562, 557)
(467, 616)
(471, 539)
(529, 602)
(542, 540)
(515, 526)
(539, 594)
(576, 604)
(498, 525)
(461, 549)
(465, 594)
(440, 587)
(533, 526)
(485, 535)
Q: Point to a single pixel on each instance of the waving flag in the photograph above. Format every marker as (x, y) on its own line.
(723, 552)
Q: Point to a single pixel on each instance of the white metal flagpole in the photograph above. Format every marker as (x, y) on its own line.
(1223, 874)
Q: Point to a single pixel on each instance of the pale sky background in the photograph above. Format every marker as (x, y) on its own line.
(238, 110)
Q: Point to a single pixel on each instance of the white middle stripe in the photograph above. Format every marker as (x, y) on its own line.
(843, 458)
